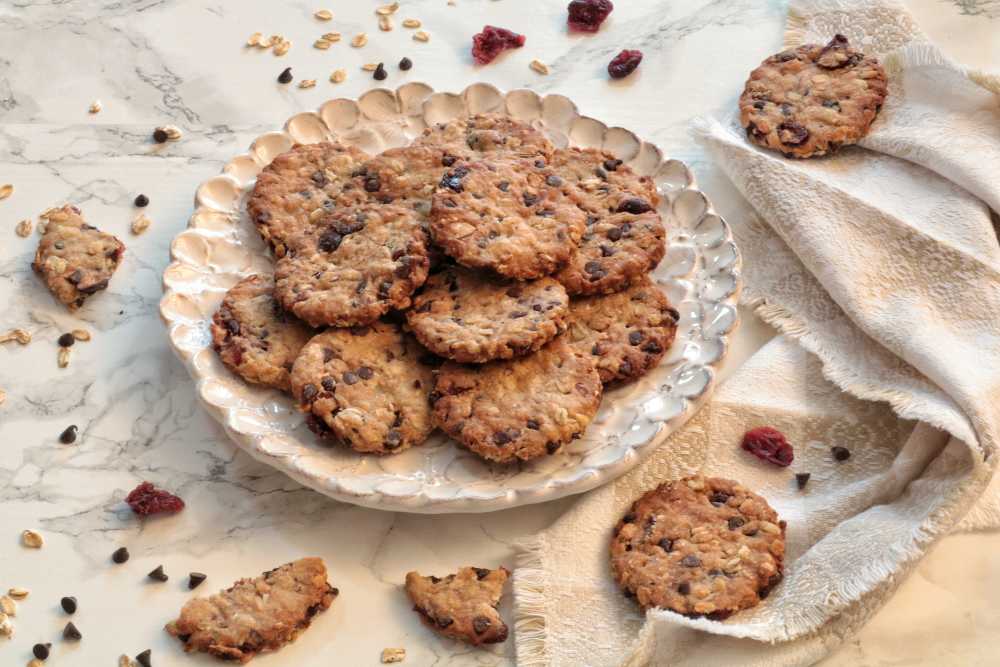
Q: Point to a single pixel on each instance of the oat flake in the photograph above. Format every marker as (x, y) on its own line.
(307, 83)
(393, 655)
(62, 359)
(338, 76)
(386, 10)
(421, 36)
(323, 15)
(81, 334)
(6, 190)
(30, 538)
(281, 48)
(17, 593)
(20, 335)
(411, 23)
(384, 23)
(140, 224)
(331, 36)
(359, 40)
(321, 44)
(95, 106)
(539, 66)
(7, 605)
(254, 39)
(23, 228)
(370, 67)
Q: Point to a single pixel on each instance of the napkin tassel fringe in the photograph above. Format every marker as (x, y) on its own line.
(529, 603)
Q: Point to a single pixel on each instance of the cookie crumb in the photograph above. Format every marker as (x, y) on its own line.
(323, 15)
(23, 228)
(539, 66)
(32, 539)
(254, 39)
(393, 655)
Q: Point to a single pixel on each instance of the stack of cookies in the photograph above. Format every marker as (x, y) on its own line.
(479, 281)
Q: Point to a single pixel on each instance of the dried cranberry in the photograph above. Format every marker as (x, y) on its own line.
(624, 63)
(146, 499)
(588, 15)
(489, 43)
(769, 444)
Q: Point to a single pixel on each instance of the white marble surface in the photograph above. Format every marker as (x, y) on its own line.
(181, 61)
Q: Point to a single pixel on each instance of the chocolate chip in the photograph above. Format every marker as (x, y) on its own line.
(350, 378)
(735, 522)
(552, 447)
(612, 165)
(635, 337)
(379, 74)
(448, 160)
(160, 136)
(532, 424)
(718, 498)
(666, 544)
(285, 76)
(158, 574)
(517, 314)
(444, 621)
(66, 340)
(75, 277)
(195, 579)
(593, 267)
(831, 104)
(684, 588)
(41, 651)
(452, 181)
(120, 555)
(319, 178)
(759, 105)
(141, 201)
(501, 438)
(674, 314)
(309, 392)
(690, 561)
(405, 64)
(504, 185)
(68, 604)
(840, 453)
(327, 355)
(614, 233)
(145, 658)
(529, 199)
(553, 181)
(329, 241)
(71, 633)
(792, 134)
(68, 436)
(480, 624)
(629, 518)
(373, 183)
(393, 439)
(635, 206)
(801, 479)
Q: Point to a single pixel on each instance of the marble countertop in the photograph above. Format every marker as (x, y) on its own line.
(182, 62)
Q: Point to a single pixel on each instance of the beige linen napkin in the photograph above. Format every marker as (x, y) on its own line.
(881, 267)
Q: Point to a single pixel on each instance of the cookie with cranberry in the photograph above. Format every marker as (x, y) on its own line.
(506, 215)
(811, 100)
(625, 333)
(520, 409)
(299, 189)
(624, 238)
(76, 260)
(463, 605)
(472, 317)
(256, 615)
(699, 546)
(353, 269)
(483, 134)
(255, 337)
(366, 386)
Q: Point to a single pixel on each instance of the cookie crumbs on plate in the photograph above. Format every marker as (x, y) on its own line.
(411, 23)
(95, 106)
(421, 36)
(359, 40)
(390, 655)
(62, 359)
(323, 14)
(6, 190)
(18, 593)
(23, 228)
(20, 335)
(338, 76)
(32, 539)
(539, 66)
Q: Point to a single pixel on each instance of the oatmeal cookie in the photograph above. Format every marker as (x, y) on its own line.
(256, 615)
(254, 336)
(626, 333)
(519, 409)
(360, 264)
(301, 187)
(463, 605)
(699, 546)
(483, 134)
(811, 100)
(367, 386)
(506, 215)
(74, 258)
(472, 318)
(624, 238)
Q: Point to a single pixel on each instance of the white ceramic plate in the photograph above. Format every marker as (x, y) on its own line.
(700, 274)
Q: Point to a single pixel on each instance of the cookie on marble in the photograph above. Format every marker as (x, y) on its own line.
(256, 615)
(366, 386)
(355, 267)
(624, 238)
(625, 333)
(520, 409)
(75, 259)
(811, 100)
(485, 134)
(463, 605)
(506, 215)
(699, 546)
(255, 337)
(301, 187)
(473, 317)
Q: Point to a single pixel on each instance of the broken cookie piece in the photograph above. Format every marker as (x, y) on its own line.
(74, 258)
(255, 615)
(462, 605)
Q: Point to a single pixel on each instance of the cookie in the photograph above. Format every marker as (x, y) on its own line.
(472, 318)
(519, 409)
(301, 187)
(626, 333)
(367, 386)
(463, 605)
(75, 259)
(256, 615)
(254, 336)
(507, 215)
(358, 265)
(811, 100)
(485, 134)
(624, 238)
(699, 546)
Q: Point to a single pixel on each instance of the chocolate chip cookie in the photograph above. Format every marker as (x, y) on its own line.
(254, 336)
(624, 238)
(519, 409)
(811, 100)
(626, 333)
(472, 318)
(463, 605)
(358, 265)
(508, 215)
(367, 386)
(484, 134)
(699, 546)
(301, 187)
(75, 259)
(256, 615)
